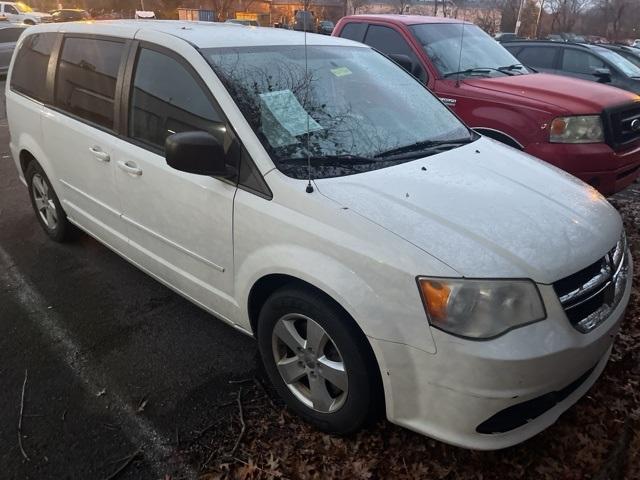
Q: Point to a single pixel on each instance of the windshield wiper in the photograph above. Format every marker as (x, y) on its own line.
(424, 147)
(509, 68)
(470, 71)
(345, 160)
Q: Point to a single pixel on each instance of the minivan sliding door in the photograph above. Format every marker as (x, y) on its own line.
(179, 224)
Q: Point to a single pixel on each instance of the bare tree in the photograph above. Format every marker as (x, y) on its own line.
(356, 4)
(566, 13)
(402, 5)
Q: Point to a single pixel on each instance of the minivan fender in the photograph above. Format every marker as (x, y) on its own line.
(340, 283)
(26, 144)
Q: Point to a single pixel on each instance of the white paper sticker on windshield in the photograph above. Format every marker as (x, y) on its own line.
(288, 112)
(341, 71)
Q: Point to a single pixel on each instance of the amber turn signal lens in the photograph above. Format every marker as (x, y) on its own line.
(558, 126)
(436, 297)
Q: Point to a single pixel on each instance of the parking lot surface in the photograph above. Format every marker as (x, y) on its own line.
(115, 362)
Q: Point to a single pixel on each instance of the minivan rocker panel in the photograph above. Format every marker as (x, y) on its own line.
(433, 276)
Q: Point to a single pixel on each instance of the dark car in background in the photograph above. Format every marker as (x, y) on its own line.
(588, 62)
(503, 37)
(70, 15)
(304, 20)
(9, 34)
(325, 27)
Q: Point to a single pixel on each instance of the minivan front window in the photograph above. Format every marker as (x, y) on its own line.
(480, 55)
(346, 109)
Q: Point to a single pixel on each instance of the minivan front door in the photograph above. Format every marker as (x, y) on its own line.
(79, 133)
(179, 224)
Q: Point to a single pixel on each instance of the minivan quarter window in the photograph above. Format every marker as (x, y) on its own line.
(86, 78)
(29, 75)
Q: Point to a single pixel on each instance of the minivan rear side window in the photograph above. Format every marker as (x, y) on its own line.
(166, 99)
(29, 75)
(86, 78)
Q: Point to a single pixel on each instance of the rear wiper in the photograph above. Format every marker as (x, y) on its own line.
(470, 71)
(426, 146)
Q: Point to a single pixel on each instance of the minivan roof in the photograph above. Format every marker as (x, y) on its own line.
(406, 19)
(199, 34)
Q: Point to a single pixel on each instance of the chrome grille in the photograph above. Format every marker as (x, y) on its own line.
(590, 295)
(621, 125)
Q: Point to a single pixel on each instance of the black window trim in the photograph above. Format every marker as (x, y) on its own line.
(125, 97)
(52, 74)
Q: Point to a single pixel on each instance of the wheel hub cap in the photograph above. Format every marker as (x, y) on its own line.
(44, 202)
(310, 363)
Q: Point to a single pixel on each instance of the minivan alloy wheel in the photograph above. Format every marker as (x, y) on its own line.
(310, 363)
(44, 202)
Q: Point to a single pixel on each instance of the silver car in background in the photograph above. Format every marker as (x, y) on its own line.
(9, 35)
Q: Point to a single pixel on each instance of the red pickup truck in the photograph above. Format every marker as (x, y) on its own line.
(590, 130)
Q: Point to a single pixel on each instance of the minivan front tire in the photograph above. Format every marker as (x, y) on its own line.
(318, 361)
(46, 205)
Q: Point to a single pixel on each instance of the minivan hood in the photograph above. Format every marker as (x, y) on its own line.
(570, 94)
(486, 210)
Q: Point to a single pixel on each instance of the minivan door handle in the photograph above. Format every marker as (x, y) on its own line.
(130, 167)
(99, 154)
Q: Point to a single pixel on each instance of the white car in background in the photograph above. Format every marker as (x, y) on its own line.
(313, 194)
(18, 12)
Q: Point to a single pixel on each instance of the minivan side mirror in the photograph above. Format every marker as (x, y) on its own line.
(402, 60)
(196, 152)
(603, 74)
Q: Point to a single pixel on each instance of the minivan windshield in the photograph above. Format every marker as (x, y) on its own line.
(344, 110)
(481, 55)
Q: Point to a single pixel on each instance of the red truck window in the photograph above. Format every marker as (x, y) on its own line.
(390, 42)
(354, 31)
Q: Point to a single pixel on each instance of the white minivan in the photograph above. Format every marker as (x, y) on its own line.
(311, 193)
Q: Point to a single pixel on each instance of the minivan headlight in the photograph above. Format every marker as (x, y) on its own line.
(579, 129)
(480, 309)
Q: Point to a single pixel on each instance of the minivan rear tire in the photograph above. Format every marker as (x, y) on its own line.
(43, 197)
(346, 409)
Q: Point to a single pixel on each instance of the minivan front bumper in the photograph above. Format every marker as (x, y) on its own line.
(493, 394)
(597, 164)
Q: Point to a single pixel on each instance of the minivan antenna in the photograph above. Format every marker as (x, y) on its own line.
(460, 54)
(306, 94)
